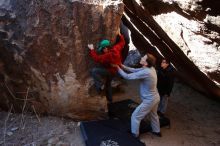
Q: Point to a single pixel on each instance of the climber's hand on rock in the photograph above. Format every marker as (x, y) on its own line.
(90, 46)
(119, 33)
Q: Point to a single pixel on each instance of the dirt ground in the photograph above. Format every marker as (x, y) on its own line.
(195, 121)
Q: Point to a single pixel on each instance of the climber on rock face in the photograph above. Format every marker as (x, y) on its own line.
(105, 55)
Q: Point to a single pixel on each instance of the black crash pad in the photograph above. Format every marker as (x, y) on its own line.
(116, 130)
(108, 132)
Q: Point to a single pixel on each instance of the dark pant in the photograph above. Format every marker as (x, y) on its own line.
(100, 74)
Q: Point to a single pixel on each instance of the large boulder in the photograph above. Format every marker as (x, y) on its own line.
(194, 25)
(192, 45)
(44, 61)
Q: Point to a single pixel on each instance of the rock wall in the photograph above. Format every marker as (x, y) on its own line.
(44, 58)
(194, 25)
(158, 40)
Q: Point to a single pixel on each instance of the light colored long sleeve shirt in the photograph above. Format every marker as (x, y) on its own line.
(148, 81)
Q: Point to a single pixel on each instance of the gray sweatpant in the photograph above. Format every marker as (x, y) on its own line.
(146, 107)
